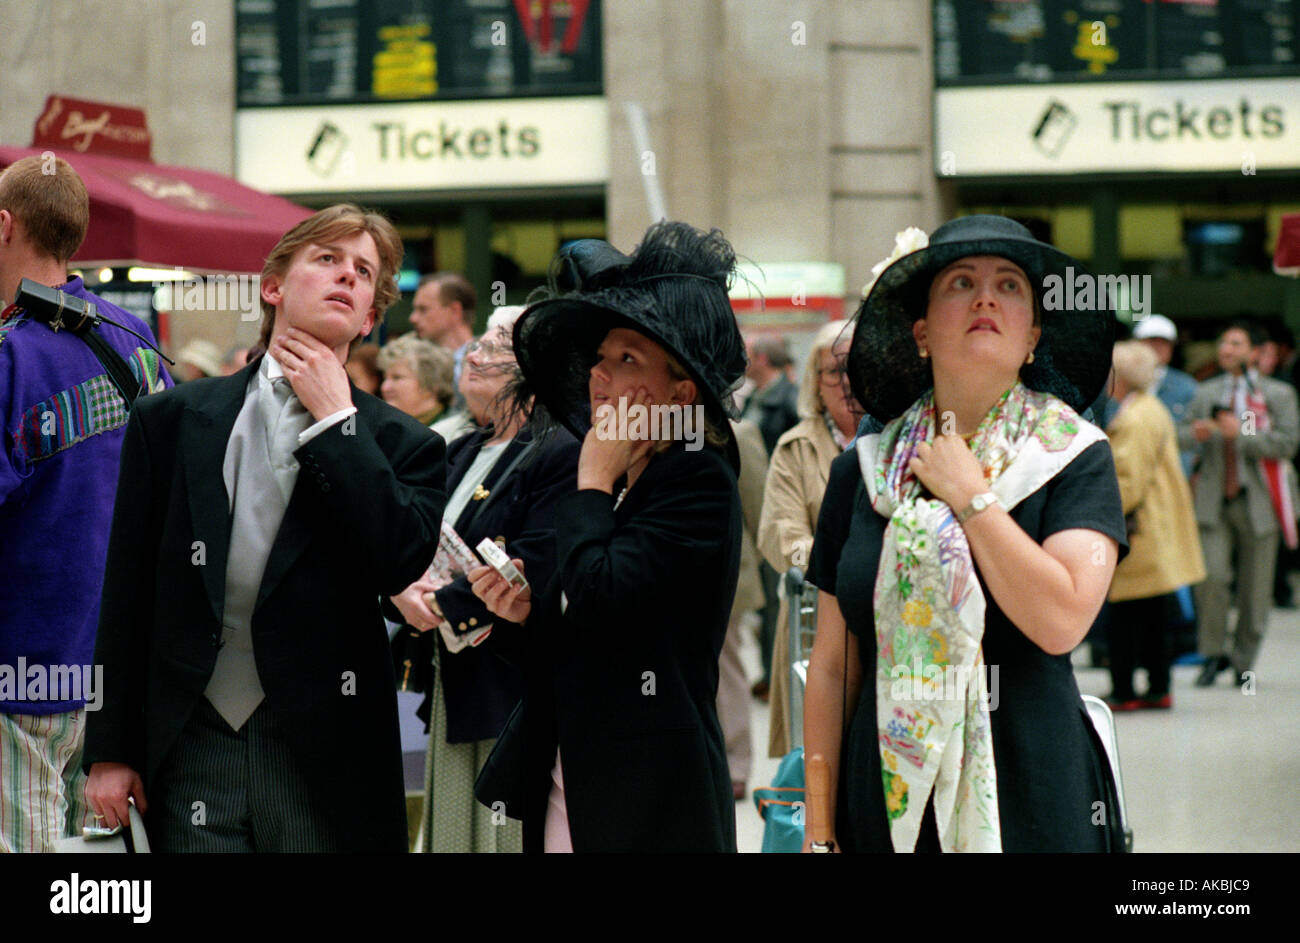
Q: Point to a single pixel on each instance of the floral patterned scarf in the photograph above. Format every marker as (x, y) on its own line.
(932, 707)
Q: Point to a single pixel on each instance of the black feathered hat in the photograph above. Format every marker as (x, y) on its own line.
(672, 289)
(1071, 361)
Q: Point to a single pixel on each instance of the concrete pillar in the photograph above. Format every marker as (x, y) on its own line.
(881, 154)
(737, 101)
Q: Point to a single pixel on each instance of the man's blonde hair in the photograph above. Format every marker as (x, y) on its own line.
(48, 197)
(333, 223)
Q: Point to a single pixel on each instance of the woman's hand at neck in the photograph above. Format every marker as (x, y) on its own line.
(949, 470)
(602, 461)
(947, 467)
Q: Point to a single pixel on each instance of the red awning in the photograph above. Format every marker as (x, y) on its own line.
(1286, 259)
(152, 214)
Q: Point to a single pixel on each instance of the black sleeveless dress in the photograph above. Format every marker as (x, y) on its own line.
(1055, 791)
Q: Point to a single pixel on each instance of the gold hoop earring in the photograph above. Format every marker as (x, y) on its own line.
(1030, 358)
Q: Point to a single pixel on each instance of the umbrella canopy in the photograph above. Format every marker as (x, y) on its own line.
(1286, 259)
(153, 214)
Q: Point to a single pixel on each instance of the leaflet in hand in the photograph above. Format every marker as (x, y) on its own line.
(453, 558)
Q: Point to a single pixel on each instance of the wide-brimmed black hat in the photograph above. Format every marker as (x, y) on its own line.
(1071, 361)
(672, 289)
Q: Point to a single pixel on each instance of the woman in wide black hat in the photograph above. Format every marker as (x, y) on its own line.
(963, 551)
(616, 744)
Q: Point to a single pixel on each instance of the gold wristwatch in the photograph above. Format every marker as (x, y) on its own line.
(977, 504)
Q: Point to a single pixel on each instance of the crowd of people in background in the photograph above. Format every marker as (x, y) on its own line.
(1219, 533)
(600, 699)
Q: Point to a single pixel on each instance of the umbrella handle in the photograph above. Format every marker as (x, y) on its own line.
(818, 773)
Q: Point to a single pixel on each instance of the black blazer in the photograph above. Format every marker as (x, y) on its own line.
(482, 685)
(362, 521)
(625, 680)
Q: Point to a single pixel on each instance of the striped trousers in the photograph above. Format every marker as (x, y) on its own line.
(42, 787)
(222, 790)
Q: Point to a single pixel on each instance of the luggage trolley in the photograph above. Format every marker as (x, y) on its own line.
(801, 604)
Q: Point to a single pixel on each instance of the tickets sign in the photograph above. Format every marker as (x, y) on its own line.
(1231, 126)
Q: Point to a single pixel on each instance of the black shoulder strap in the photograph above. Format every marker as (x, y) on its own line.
(118, 371)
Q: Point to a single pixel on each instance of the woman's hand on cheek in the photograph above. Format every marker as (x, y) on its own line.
(608, 451)
(949, 470)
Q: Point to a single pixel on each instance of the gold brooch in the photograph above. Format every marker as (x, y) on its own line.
(480, 493)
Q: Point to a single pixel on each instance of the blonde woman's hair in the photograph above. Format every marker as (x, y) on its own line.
(1135, 364)
(810, 392)
(713, 434)
(433, 366)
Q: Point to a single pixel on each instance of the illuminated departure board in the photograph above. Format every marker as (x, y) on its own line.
(1011, 41)
(305, 52)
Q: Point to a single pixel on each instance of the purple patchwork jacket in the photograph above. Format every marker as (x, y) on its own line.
(63, 427)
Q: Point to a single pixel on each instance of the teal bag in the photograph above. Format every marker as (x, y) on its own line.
(781, 806)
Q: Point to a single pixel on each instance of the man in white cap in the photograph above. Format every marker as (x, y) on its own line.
(1172, 387)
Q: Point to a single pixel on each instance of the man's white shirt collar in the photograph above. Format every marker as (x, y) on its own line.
(270, 371)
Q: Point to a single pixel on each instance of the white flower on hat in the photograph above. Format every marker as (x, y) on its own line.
(906, 242)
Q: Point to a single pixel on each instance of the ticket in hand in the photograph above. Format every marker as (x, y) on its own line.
(497, 559)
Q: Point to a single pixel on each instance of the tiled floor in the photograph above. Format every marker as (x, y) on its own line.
(1219, 772)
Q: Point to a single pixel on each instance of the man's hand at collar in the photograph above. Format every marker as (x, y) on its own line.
(314, 371)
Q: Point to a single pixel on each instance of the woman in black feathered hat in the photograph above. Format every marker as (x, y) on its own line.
(616, 744)
(964, 551)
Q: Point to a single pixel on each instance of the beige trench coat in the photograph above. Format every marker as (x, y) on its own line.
(796, 482)
(1165, 549)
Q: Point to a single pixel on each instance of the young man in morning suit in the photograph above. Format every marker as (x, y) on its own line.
(249, 698)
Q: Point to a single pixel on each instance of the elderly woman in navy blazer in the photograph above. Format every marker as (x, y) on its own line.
(503, 484)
